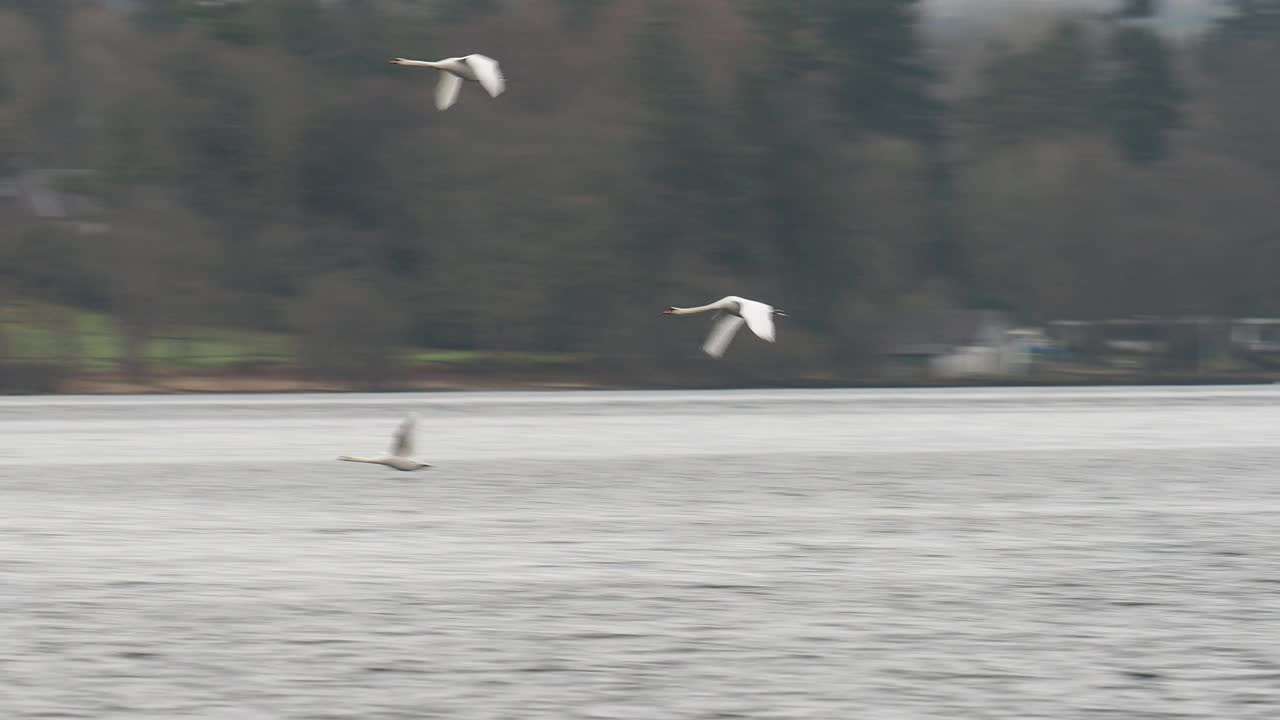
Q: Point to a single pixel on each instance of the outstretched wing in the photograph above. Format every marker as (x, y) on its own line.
(488, 74)
(447, 90)
(759, 318)
(403, 443)
(726, 326)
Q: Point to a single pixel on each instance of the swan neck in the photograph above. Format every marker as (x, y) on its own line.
(699, 309)
(420, 63)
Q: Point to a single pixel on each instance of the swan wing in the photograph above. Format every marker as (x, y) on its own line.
(447, 90)
(488, 74)
(759, 317)
(722, 332)
(403, 444)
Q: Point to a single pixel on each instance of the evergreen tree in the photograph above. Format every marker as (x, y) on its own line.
(880, 80)
(1049, 87)
(1143, 97)
(681, 150)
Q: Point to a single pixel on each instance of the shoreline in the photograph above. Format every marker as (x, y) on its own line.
(174, 382)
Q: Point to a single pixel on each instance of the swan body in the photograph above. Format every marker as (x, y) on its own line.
(401, 457)
(474, 68)
(732, 312)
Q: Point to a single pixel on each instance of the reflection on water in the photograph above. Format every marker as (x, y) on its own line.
(913, 554)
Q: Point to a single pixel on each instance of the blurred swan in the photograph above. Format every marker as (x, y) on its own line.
(401, 457)
(731, 312)
(476, 68)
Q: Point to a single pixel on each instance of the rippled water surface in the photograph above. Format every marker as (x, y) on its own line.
(834, 555)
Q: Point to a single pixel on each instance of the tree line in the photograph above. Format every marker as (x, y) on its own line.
(260, 165)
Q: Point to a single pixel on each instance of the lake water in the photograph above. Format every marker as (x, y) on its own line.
(1036, 553)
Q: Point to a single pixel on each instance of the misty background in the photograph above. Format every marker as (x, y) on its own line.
(250, 187)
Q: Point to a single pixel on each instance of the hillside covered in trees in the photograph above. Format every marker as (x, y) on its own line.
(259, 168)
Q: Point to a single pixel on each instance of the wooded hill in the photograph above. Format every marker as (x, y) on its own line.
(259, 167)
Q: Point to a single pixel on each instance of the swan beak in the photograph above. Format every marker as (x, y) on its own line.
(669, 311)
(780, 313)
(396, 61)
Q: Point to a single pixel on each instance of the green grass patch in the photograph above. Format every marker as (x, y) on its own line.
(461, 358)
(91, 341)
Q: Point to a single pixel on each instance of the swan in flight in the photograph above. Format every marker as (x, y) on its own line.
(476, 68)
(731, 313)
(401, 457)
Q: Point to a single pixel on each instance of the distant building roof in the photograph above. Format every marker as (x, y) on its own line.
(938, 332)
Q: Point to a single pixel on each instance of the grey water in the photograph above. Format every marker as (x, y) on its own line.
(1004, 553)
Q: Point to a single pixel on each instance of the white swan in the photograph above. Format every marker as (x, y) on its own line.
(731, 312)
(401, 457)
(476, 68)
